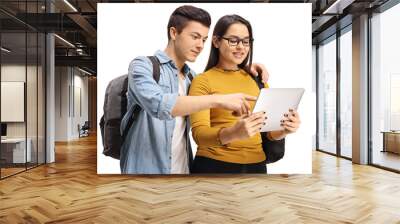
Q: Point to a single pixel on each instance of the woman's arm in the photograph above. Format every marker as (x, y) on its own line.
(245, 128)
(290, 123)
(202, 132)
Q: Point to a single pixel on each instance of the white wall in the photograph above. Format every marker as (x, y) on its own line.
(287, 59)
(80, 83)
(12, 73)
(61, 103)
(68, 83)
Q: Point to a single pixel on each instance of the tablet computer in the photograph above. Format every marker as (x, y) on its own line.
(276, 102)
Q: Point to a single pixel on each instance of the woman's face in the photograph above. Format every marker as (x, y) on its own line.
(234, 45)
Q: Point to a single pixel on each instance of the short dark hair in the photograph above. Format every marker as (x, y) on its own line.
(182, 15)
(219, 30)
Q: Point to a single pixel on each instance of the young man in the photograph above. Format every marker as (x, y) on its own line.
(158, 141)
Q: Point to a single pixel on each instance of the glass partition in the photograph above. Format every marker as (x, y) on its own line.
(22, 78)
(14, 153)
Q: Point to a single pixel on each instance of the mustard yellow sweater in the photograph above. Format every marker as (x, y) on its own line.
(207, 123)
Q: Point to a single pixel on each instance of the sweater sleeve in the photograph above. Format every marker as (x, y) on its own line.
(203, 134)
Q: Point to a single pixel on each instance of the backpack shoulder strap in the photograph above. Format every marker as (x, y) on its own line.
(156, 67)
(156, 75)
(190, 77)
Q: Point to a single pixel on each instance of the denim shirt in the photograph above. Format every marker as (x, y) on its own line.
(147, 146)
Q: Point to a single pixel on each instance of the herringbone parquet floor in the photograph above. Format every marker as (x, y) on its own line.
(70, 191)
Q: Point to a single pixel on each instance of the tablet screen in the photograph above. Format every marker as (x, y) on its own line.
(276, 102)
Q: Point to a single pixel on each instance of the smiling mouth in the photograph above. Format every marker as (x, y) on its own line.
(238, 55)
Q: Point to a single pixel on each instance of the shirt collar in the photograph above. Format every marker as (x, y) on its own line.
(163, 58)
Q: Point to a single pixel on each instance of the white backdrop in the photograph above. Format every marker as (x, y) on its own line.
(282, 34)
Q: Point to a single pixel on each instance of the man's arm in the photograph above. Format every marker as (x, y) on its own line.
(256, 69)
(186, 105)
(147, 92)
(165, 106)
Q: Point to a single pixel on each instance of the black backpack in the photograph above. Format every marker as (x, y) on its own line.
(115, 107)
(274, 150)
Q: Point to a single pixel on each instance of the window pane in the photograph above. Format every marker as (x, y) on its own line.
(327, 96)
(386, 88)
(345, 94)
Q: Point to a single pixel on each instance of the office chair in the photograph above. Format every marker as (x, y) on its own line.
(84, 130)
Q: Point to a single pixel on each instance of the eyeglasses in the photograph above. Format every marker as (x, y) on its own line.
(234, 41)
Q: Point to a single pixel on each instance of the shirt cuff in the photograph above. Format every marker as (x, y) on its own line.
(166, 105)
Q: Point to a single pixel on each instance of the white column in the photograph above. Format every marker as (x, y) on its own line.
(50, 93)
(50, 101)
(360, 90)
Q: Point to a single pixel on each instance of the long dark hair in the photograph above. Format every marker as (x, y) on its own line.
(219, 30)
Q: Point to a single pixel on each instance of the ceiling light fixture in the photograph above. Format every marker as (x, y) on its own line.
(338, 6)
(86, 72)
(5, 50)
(70, 5)
(64, 40)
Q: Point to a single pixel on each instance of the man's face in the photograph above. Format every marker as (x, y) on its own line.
(190, 42)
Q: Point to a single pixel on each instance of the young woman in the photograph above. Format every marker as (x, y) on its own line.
(227, 143)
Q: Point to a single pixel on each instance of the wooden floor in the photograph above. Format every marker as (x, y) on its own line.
(387, 159)
(5, 172)
(10, 170)
(70, 191)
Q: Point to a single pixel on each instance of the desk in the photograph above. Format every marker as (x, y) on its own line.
(13, 150)
(391, 141)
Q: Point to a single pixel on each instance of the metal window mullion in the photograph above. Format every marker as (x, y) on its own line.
(45, 94)
(37, 92)
(317, 95)
(338, 97)
(369, 90)
(26, 88)
(0, 97)
(73, 91)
